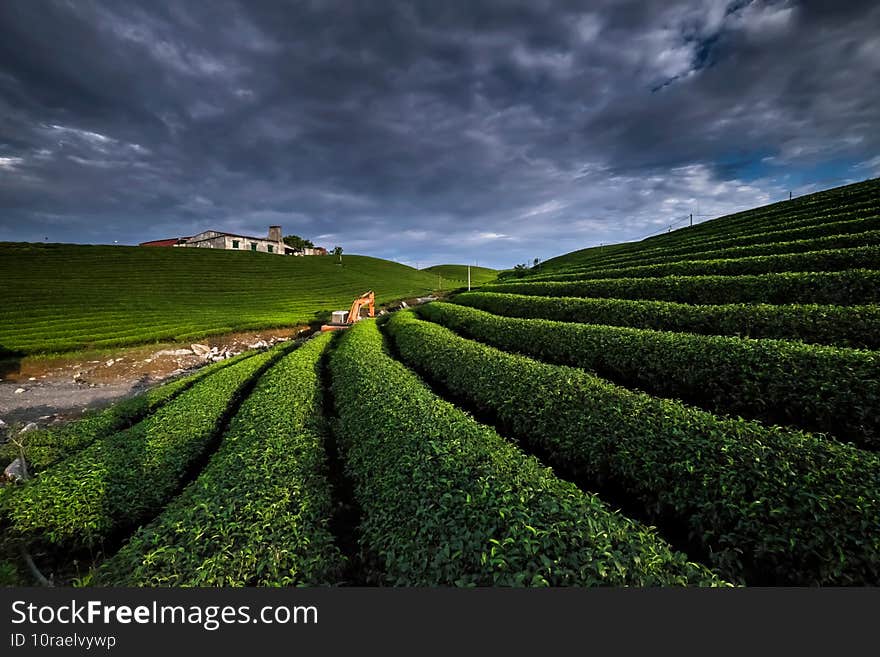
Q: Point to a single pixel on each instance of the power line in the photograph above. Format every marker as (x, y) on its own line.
(668, 227)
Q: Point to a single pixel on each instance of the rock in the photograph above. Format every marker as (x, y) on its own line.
(18, 391)
(217, 359)
(2, 424)
(30, 426)
(77, 377)
(16, 471)
(109, 362)
(200, 349)
(403, 304)
(148, 360)
(33, 378)
(174, 352)
(259, 344)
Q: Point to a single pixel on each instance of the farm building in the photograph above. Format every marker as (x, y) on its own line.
(215, 239)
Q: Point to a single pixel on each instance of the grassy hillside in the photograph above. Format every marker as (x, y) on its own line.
(58, 297)
(457, 275)
(784, 227)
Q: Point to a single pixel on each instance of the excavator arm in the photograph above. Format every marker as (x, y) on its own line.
(368, 299)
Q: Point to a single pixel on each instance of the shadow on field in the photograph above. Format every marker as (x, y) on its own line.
(10, 361)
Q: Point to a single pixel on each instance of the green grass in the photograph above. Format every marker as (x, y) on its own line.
(62, 297)
(457, 275)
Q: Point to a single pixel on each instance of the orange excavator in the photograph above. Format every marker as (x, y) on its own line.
(343, 319)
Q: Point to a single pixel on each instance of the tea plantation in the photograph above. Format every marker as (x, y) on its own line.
(60, 297)
(453, 276)
(700, 408)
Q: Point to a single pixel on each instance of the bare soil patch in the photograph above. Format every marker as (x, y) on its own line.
(52, 389)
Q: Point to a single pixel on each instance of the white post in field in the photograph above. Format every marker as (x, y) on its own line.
(469, 278)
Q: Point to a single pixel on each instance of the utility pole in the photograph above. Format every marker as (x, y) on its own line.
(692, 219)
(789, 196)
(469, 278)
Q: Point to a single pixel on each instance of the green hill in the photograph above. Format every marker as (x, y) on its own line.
(58, 297)
(456, 275)
(830, 219)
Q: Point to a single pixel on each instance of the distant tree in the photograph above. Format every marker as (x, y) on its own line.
(337, 251)
(297, 242)
(536, 262)
(520, 270)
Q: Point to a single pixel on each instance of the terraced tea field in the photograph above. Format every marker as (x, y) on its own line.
(696, 409)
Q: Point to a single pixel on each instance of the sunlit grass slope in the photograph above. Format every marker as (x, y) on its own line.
(58, 297)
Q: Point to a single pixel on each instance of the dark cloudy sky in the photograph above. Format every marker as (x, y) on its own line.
(428, 132)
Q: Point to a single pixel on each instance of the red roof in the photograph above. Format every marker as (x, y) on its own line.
(169, 242)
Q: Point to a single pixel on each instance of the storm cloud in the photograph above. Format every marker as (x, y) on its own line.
(427, 132)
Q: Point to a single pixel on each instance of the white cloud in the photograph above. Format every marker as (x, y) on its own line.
(90, 162)
(588, 27)
(763, 21)
(10, 163)
(872, 165)
(556, 63)
(94, 141)
(549, 207)
(87, 135)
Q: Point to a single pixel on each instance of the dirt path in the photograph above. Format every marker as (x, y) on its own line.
(52, 390)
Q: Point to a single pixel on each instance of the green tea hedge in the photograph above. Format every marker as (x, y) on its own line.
(845, 288)
(829, 237)
(841, 326)
(767, 505)
(257, 514)
(447, 501)
(46, 447)
(862, 257)
(815, 388)
(123, 479)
